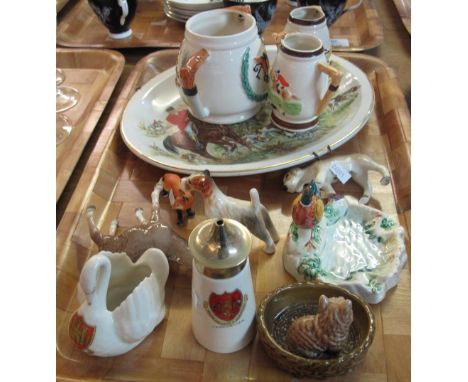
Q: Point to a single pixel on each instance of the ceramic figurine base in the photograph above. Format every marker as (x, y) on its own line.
(354, 246)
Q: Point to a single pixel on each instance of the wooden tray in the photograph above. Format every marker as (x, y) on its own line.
(94, 73)
(404, 9)
(59, 4)
(117, 182)
(151, 28)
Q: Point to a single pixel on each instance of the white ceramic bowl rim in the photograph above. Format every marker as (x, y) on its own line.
(246, 34)
(303, 14)
(291, 38)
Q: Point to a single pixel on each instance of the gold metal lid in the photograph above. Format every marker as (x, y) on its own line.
(220, 243)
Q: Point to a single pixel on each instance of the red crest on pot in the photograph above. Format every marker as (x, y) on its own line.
(226, 306)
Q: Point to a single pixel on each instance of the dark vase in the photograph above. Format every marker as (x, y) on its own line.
(262, 10)
(116, 15)
(332, 8)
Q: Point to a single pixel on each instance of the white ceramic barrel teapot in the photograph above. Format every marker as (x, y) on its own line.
(222, 66)
(223, 300)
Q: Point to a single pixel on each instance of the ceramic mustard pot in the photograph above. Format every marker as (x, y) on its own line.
(222, 67)
(122, 302)
(223, 300)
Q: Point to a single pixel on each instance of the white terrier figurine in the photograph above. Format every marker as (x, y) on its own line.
(356, 164)
(252, 214)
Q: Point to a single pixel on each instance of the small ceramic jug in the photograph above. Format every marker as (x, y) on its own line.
(262, 10)
(299, 86)
(116, 15)
(223, 300)
(333, 8)
(222, 67)
(310, 20)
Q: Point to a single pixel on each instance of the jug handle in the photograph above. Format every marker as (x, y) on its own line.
(241, 8)
(353, 7)
(124, 5)
(335, 76)
(187, 78)
(277, 37)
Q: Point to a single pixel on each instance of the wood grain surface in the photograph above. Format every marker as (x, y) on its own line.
(94, 73)
(151, 28)
(59, 4)
(404, 9)
(117, 182)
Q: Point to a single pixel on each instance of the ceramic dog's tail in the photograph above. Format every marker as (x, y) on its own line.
(264, 219)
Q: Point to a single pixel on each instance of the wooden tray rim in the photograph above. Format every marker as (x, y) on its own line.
(61, 41)
(117, 63)
(405, 18)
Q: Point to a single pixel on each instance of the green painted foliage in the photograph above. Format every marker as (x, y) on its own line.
(310, 267)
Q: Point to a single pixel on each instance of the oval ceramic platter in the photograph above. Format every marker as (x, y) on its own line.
(155, 126)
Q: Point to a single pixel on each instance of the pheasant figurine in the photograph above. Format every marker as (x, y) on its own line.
(308, 211)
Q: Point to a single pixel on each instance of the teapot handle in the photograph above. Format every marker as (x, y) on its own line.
(353, 7)
(335, 76)
(124, 5)
(187, 78)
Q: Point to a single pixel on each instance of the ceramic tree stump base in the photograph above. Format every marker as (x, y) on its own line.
(354, 246)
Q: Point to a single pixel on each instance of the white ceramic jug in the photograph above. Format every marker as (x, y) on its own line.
(123, 302)
(222, 66)
(310, 20)
(223, 300)
(299, 82)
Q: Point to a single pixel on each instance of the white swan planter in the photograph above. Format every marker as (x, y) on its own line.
(122, 302)
(354, 246)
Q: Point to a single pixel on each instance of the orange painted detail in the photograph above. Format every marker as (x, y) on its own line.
(179, 199)
(202, 184)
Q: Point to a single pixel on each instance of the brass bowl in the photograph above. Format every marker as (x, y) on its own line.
(280, 307)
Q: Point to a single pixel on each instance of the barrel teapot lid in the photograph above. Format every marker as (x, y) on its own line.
(220, 243)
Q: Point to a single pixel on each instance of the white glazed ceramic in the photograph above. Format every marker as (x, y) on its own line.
(220, 55)
(122, 302)
(211, 331)
(299, 82)
(199, 5)
(357, 165)
(155, 118)
(310, 20)
(355, 246)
